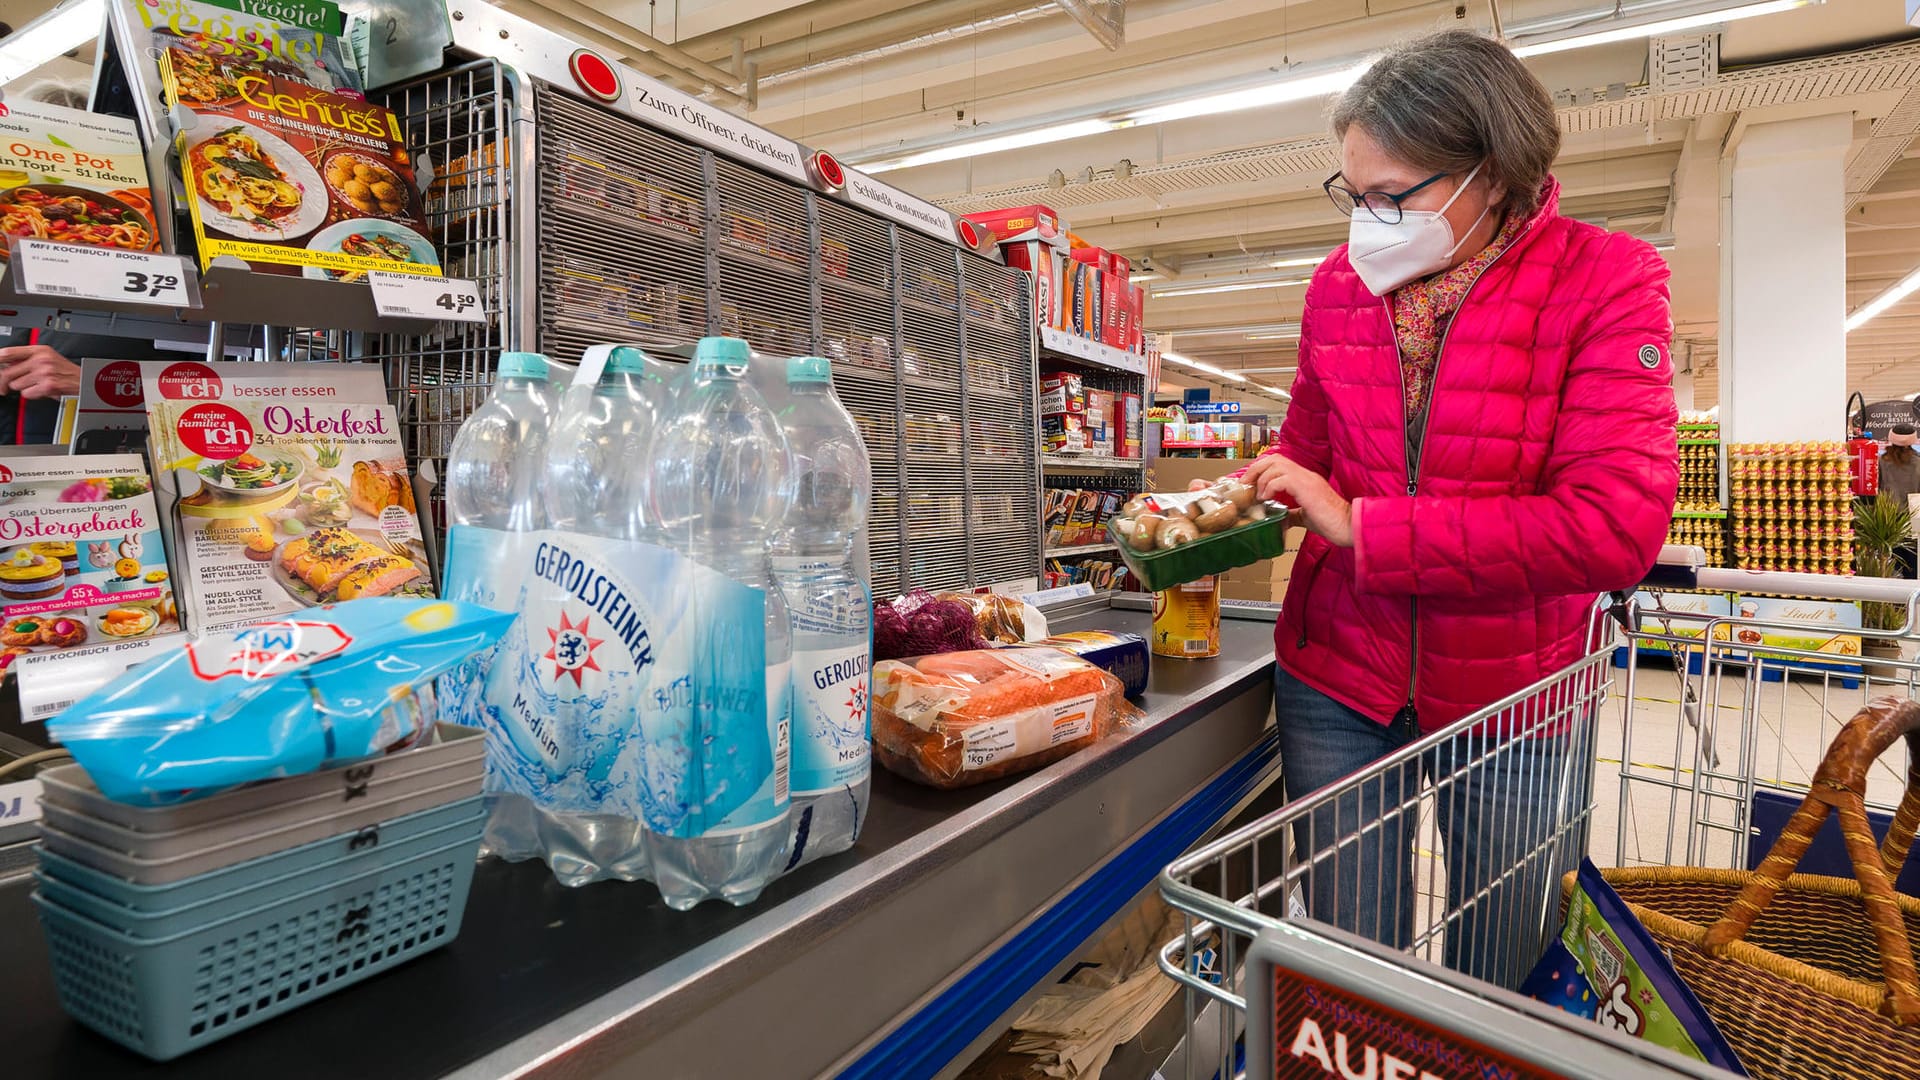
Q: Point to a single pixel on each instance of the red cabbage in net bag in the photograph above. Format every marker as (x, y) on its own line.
(919, 625)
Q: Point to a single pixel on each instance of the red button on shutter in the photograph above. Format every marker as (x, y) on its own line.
(594, 75)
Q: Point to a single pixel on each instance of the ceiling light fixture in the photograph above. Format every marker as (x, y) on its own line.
(993, 145)
(1583, 36)
(1310, 260)
(1196, 365)
(1275, 391)
(1284, 329)
(1149, 276)
(52, 35)
(1234, 286)
(1894, 293)
(1293, 336)
(1293, 88)
(1269, 370)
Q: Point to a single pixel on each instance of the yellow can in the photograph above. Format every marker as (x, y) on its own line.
(1186, 620)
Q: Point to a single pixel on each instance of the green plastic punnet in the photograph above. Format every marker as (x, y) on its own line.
(1242, 545)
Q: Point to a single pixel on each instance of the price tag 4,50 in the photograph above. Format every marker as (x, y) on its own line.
(77, 272)
(413, 296)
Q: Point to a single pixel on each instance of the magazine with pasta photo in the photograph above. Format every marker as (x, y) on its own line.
(285, 175)
(74, 178)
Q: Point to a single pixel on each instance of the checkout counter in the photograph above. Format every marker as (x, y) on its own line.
(898, 959)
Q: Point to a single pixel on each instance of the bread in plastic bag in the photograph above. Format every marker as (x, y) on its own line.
(1001, 619)
(962, 718)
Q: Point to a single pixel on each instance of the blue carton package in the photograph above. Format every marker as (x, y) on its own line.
(280, 697)
(1125, 656)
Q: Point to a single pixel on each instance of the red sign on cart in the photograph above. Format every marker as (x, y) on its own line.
(1320, 1031)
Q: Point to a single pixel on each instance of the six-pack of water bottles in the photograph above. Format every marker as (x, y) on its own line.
(684, 697)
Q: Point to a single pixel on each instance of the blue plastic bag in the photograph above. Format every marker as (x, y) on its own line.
(280, 697)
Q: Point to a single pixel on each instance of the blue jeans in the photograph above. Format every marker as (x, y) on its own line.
(1511, 814)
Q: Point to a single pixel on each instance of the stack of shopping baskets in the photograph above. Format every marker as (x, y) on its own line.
(171, 927)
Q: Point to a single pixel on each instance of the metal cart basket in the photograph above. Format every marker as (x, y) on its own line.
(1685, 735)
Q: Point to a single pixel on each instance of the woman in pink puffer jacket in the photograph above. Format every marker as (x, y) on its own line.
(1481, 439)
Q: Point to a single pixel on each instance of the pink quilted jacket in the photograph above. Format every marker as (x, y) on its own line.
(1547, 474)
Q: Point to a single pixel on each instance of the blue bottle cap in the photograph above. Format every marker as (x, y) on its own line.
(522, 365)
(721, 352)
(809, 369)
(627, 360)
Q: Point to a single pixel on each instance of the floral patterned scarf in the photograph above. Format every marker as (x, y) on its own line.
(1421, 311)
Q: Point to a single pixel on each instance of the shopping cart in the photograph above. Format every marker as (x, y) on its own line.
(1301, 919)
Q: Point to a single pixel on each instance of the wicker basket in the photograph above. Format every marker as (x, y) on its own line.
(1807, 977)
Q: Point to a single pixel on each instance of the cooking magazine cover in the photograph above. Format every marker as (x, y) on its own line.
(81, 559)
(73, 177)
(214, 39)
(281, 174)
(284, 485)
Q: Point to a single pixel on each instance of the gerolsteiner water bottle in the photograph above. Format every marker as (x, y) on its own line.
(493, 470)
(592, 487)
(718, 487)
(494, 478)
(831, 605)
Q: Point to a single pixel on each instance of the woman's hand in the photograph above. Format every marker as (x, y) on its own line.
(36, 371)
(1274, 476)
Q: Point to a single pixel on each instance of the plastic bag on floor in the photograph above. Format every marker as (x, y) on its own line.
(1075, 1025)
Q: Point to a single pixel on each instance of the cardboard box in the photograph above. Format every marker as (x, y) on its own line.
(1023, 223)
(1062, 392)
(1100, 435)
(1043, 261)
(1261, 591)
(1117, 299)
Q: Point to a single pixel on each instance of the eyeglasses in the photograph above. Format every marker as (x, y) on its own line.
(1383, 205)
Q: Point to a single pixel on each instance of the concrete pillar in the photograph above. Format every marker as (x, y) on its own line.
(1783, 303)
(1683, 390)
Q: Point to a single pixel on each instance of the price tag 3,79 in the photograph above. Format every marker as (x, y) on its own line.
(76, 272)
(413, 296)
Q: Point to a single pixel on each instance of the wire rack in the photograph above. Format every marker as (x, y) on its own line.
(646, 239)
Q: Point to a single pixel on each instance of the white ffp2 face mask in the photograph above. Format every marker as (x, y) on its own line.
(1420, 243)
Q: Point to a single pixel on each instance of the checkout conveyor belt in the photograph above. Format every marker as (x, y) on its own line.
(889, 961)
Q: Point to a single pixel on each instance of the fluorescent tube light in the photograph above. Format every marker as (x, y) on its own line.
(1206, 368)
(1283, 329)
(1269, 370)
(1275, 391)
(1148, 276)
(1310, 260)
(993, 145)
(1236, 286)
(1895, 293)
(1297, 88)
(1274, 337)
(1633, 31)
(54, 34)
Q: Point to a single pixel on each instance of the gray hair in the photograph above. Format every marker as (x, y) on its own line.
(1452, 100)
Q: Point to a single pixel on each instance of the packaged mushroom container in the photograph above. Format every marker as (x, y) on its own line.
(1172, 539)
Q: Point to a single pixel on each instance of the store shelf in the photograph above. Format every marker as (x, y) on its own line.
(1074, 347)
(1701, 514)
(973, 896)
(1208, 444)
(1090, 461)
(1082, 549)
(233, 297)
